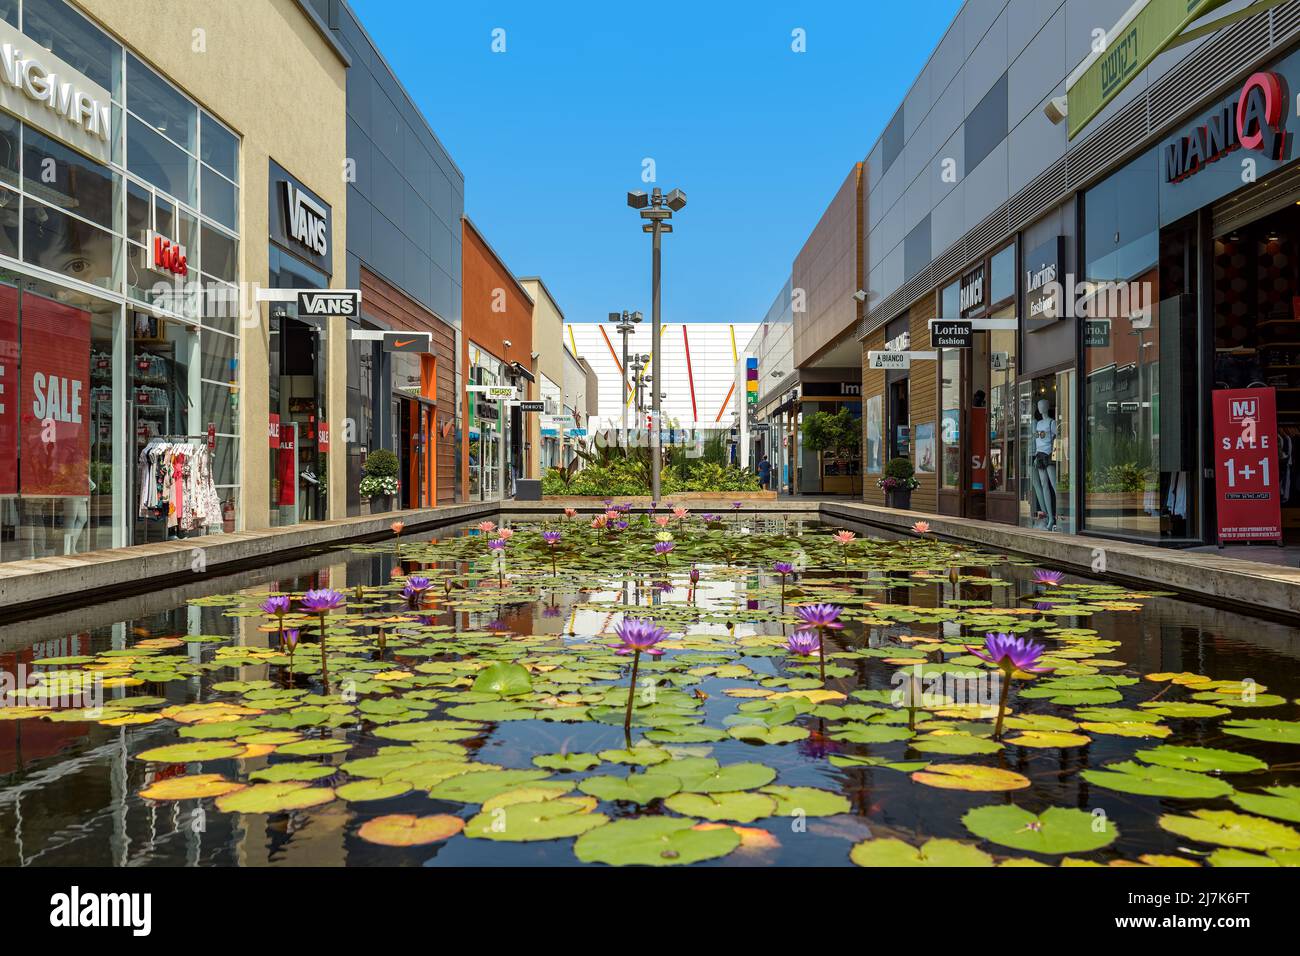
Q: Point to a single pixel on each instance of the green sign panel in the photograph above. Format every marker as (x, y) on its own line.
(1131, 45)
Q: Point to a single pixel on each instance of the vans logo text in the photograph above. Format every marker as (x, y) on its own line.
(304, 219)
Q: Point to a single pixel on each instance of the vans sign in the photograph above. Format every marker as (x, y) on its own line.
(299, 220)
(325, 303)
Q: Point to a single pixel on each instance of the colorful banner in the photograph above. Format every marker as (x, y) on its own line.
(1245, 465)
(287, 465)
(8, 390)
(55, 398)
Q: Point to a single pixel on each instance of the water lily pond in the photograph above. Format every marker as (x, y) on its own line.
(798, 696)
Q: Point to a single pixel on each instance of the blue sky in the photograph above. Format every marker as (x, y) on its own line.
(551, 134)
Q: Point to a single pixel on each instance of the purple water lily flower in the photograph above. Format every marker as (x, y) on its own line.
(497, 544)
(550, 611)
(321, 600)
(639, 636)
(608, 502)
(277, 605)
(552, 538)
(819, 616)
(620, 525)
(415, 587)
(695, 575)
(291, 638)
(1051, 578)
(803, 643)
(663, 547)
(1011, 653)
(783, 568)
(737, 505)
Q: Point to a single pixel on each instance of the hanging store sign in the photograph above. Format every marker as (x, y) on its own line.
(420, 342)
(972, 291)
(1248, 500)
(46, 92)
(1147, 28)
(55, 390)
(532, 407)
(948, 334)
(494, 393)
(890, 361)
(322, 303)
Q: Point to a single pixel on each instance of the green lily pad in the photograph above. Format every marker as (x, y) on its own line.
(1276, 731)
(1181, 709)
(1201, 759)
(359, 790)
(1229, 857)
(1281, 803)
(1056, 830)
(1229, 828)
(871, 733)
(654, 841)
(311, 748)
(635, 787)
(637, 756)
(275, 798)
(294, 770)
(187, 753)
(806, 801)
(541, 820)
(954, 744)
(564, 762)
(781, 734)
(705, 775)
(477, 787)
(739, 806)
(504, 679)
(892, 852)
(1158, 781)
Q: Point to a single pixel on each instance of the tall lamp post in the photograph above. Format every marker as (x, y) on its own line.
(656, 209)
(625, 324)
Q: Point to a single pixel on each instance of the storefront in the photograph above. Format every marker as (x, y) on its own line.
(488, 413)
(119, 348)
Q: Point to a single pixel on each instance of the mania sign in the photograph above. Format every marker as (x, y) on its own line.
(1253, 121)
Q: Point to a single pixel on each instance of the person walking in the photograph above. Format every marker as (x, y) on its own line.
(764, 472)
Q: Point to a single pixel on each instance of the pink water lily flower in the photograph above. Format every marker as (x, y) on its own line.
(662, 520)
(487, 527)
(921, 527)
(844, 537)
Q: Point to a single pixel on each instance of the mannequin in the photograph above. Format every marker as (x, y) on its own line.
(1043, 469)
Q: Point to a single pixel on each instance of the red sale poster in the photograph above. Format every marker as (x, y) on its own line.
(8, 390)
(1245, 464)
(55, 398)
(287, 465)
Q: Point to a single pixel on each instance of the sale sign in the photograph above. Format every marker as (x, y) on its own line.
(1245, 464)
(8, 390)
(56, 398)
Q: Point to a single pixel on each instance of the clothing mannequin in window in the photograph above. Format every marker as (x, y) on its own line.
(1043, 472)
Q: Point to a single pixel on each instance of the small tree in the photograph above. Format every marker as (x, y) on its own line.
(839, 433)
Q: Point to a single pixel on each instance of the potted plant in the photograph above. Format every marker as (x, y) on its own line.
(379, 482)
(898, 482)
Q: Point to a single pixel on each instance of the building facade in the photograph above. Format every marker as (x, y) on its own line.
(497, 356)
(1071, 280)
(546, 427)
(405, 199)
(140, 362)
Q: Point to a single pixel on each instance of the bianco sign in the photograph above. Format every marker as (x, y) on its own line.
(47, 93)
(890, 361)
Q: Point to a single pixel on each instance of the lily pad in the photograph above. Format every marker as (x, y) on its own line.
(1153, 780)
(403, 829)
(1281, 803)
(565, 762)
(760, 733)
(1201, 759)
(1276, 731)
(654, 841)
(504, 679)
(275, 797)
(191, 752)
(892, 852)
(1056, 830)
(194, 786)
(1229, 828)
(705, 775)
(739, 806)
(294, 770)
(973, 777)
(477, 787)
(542, 820)
(635, 787)
(359, 790)
(806, 801)
(954, 744)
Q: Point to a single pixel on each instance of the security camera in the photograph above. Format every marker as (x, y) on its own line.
(507, 343)
(535, 355)
(860, 295)
(1057, 109)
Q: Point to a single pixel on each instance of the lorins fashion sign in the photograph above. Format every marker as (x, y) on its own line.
(1252, 121)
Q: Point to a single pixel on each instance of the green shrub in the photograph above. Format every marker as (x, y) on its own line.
(900, 468)
(381, 463)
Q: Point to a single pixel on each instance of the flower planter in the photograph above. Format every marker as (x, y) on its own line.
(901, 500)
(380, 504)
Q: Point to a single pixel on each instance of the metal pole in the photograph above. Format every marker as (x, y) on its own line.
(623, 394)
(656, 381)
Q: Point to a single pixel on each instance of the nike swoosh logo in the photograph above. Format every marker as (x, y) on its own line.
(402, 343)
